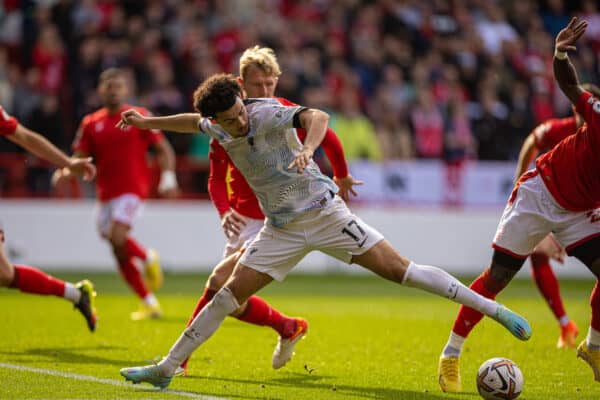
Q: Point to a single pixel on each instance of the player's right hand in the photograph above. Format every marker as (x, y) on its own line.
(346, 186)
(131, 117)
(232, 223)
(566, 38)
(82, 167)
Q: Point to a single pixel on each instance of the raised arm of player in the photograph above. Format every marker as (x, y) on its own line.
(528, 153)
(564, 71)
(315, 122)
(41, 147)
(182, 123)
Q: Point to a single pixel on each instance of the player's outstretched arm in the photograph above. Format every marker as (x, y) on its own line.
(564, 71)
(41, 147)
(182, 123)
(315, 122)
(529, 151)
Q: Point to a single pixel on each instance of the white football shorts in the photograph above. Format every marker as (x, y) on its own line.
(247, 235)
(333, 230)
(533, 213)
(123, 209)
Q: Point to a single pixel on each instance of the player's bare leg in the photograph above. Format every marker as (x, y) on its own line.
(546, 282)
(117, 237)
(255, 311)
(242, 284)
(491, 282)
(31, 280)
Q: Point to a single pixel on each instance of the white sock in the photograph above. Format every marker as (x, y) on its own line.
(454, 346)
(202, 328)
(150, 300)
(593, 339)
(437, 281)
(564, 320)
(72, 293)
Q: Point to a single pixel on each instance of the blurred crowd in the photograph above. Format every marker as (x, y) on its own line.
(402, 79)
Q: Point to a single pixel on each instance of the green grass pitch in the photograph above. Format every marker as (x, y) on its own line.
(368, 339)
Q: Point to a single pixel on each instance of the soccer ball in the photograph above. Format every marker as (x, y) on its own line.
(499, 378)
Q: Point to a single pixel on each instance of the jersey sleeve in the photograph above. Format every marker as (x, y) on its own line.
(589, 108)
(8, 124)
(335, 153)
(217, 178)
(552, 132)
(83, 141)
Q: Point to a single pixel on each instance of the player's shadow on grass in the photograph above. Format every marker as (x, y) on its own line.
(75, 355)
(325, 382)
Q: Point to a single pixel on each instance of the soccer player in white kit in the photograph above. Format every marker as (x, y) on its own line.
(302, 213)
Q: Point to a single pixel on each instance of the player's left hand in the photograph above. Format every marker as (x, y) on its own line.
(346, 186)
(131, 117)
(302, 160)
(82, 167)
(566, 38)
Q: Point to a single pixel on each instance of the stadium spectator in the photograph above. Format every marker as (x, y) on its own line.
(122, 185)
(24, 277)
(355, 130)
(506, 41)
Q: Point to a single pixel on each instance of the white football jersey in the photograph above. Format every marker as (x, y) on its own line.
(263, 155)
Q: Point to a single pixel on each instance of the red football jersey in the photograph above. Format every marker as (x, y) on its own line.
(550, 133)
(120, 155)
(8, 124)
(242, 198)
(570, 170)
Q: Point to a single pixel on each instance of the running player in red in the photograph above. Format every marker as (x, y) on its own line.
(241, 216)
(24, 277)
(561, 195)
(123, 183)
(543, 138)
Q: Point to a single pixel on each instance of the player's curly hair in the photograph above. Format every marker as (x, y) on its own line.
(216, 94)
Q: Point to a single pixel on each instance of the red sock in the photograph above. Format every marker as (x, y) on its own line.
(133, 248)
(259, 312)
(133, 277)
(32, 280)
(467, 317)
(595, 303)
(547, 284)
(206, 297)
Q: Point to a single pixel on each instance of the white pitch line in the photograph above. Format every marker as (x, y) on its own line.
(112, 382)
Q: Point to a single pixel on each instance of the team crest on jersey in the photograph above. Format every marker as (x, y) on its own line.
(595, 104)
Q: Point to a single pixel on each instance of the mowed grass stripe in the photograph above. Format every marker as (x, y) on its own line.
(104, 381)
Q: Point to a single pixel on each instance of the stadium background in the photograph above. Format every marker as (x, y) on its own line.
(431, 99)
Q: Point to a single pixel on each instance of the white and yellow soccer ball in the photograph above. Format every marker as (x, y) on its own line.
(499, 378)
